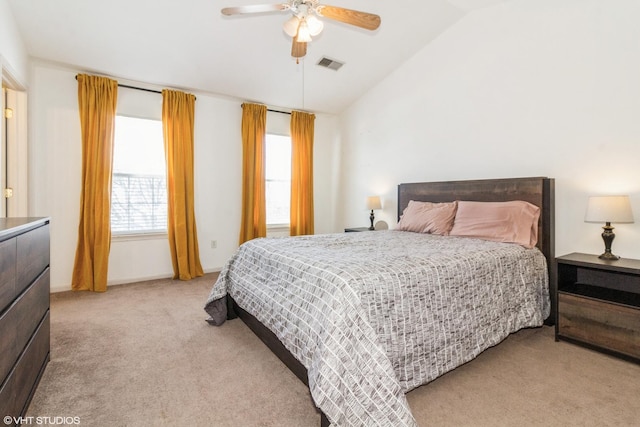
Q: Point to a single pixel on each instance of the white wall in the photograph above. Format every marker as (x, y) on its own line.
(14, 60)
(56, 168)
(524, 88)
(14, 63)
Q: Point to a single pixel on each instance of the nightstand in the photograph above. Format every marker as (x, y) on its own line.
(354, 229)
(599, 304)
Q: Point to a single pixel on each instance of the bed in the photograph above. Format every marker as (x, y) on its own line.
(363, 318)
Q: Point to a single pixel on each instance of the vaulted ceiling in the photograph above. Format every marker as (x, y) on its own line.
(190, 45)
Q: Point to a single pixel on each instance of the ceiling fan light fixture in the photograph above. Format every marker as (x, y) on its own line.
(305, 22)
(304, 36)
(291, 26)
(315, 25)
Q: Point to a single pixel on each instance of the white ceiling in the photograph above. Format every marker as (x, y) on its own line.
(190, 45)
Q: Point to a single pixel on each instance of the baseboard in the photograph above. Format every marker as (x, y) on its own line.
(56, 289)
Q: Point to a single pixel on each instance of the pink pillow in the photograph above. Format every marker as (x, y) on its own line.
(510, 222)
(427, 217)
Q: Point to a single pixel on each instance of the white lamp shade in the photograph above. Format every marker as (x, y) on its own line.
(315, 25)
(291, 26)
(615, 209)
(374, 203)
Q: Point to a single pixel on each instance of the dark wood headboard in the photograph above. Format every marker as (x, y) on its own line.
(538, 191)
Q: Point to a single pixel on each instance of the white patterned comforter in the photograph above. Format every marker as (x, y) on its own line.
(373, 315)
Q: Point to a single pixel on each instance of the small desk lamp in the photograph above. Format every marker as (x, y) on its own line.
(373, 203)
(609, 209)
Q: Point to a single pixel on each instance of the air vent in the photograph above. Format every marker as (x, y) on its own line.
(330, 63)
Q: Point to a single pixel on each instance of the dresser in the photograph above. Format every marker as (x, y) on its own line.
(24, 311)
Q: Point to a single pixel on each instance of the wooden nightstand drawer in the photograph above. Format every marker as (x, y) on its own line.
(607, 325)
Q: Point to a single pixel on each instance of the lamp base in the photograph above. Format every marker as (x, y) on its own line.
(608, 256)
(608, 236)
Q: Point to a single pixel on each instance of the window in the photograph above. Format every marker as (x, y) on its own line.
(139, 191)
(278, 179)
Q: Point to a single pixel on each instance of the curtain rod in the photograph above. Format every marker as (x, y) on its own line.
(281, 112)
(276, 111)
(140, 88)
(136, 88)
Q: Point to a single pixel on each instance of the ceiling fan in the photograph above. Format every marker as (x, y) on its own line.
(304, 23)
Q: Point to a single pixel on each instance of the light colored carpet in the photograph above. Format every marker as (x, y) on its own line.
(143, 355)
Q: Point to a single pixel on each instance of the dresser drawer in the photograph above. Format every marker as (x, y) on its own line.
(31, 365)
(30, 309)
(7, 397)
(20, 321)
(26, 374)
(607, 325)
(7, 273)
(8, 351)
(32, 256)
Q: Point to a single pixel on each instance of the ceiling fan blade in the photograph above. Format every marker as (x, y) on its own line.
(365, 20)
(256, 8)
(298, 49)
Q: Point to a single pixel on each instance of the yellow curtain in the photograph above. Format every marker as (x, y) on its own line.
(178, 111)
(254, 221)
(97, 97)
(302, 130)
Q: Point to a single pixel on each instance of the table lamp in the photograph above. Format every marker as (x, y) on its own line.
(373, 203)
(609, 209)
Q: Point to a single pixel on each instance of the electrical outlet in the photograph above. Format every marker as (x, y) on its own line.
(214, 244)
